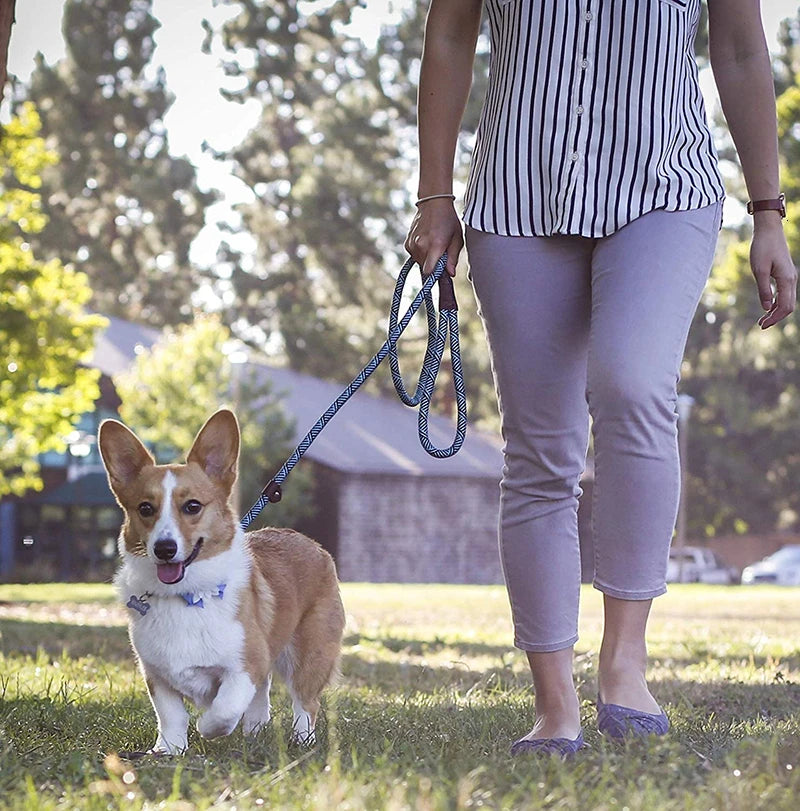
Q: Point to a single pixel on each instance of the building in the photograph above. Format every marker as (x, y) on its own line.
(385, 509)
(68, 531)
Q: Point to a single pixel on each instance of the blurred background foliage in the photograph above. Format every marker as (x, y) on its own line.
(45, 331)
(331, 168)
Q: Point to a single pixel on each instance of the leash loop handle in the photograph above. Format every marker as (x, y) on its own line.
(394, 315)
(431, 364)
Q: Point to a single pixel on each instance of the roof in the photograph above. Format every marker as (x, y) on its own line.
(116, 347)
(370, 435)
(90, 490)
(378, 435)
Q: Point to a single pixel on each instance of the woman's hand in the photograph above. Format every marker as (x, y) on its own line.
(451, 31)
(770, 259)
(435, 229)
(741, 62)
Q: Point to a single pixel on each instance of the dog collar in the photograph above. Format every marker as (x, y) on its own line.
(142, 606)
(192, 599)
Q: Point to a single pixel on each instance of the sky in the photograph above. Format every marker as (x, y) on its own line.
(199, 112)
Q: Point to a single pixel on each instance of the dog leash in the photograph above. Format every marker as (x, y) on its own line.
(437, 339)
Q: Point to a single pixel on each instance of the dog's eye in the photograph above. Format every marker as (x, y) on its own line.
(146, 509)
(192, 507)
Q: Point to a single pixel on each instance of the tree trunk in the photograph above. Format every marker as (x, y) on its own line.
(6, 21)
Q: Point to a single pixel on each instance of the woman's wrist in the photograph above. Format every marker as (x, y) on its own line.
(450, 197)
(434, 187)
(767, 221)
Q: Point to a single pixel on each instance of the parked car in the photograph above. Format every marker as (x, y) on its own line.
(694, 564)
(781, 568)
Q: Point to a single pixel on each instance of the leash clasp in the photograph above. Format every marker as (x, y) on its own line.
(273, 492)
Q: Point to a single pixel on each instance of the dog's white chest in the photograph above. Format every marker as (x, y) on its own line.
(190, 646)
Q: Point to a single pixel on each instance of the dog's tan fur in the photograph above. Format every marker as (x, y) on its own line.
(296, 581)
(288, 608)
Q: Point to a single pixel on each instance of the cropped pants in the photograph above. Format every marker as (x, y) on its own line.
(581, 327)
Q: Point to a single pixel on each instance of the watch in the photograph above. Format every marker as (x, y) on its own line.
(775, 204)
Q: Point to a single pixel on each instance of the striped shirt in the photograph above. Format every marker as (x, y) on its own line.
(593, 116)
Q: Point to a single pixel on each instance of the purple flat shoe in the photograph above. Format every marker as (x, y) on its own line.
(563, 747)
(618, 722)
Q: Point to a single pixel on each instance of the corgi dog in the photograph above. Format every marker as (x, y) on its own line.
(214, 610)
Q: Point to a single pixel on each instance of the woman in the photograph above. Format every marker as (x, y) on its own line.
(592, 212)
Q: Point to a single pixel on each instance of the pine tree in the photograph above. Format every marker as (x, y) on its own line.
(120, 207)
(320, 166)
(332, 169)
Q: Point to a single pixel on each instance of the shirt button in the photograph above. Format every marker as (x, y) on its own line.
(574, 156)
(579, 110)
(588, 16)
(584, 64)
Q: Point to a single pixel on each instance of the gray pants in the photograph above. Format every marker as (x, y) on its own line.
(578, 327)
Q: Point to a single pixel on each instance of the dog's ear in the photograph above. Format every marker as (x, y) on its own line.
(123, 454)
(216, 448)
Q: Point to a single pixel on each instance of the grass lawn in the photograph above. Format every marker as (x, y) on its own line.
(431, 696)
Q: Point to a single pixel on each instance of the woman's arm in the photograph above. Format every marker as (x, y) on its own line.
(451, 32)
(743, 74)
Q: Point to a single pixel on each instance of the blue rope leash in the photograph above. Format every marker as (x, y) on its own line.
(437, 340)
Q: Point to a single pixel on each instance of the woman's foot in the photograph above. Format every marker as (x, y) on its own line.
(625, 706)
(558, 716)
(622, 682)
(619, 723)
(623, 656)
(564, 747)
(562, 722)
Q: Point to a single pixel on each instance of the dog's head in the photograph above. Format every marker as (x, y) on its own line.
(174, 514)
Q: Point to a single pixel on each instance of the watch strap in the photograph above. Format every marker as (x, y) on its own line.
(774, 204)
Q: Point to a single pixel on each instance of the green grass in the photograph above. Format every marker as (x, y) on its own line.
(431, 696)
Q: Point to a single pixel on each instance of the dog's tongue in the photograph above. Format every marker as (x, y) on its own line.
(170, 572)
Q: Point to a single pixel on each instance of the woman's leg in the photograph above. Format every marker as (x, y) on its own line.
(623, 655)
(534, 299)
(647, 279)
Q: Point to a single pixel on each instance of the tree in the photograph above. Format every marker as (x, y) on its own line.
(44, 332)
(174, 387)
(331, 170)
(120, 207)
(319, 165)
(6, 21)
(744, 458)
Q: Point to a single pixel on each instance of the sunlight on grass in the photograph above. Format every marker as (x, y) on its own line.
(57, 592)
(430, 697)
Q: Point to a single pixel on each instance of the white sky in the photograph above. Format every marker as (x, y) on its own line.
(199, 112)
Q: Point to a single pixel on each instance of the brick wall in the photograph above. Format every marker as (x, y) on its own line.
(742, 550)
(418, 530)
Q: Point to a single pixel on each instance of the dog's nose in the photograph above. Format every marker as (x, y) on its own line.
(165, 549)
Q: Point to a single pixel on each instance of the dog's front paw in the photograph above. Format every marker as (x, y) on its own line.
(165, 747)
(305, 738)
(252, 725)
(210, 725)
